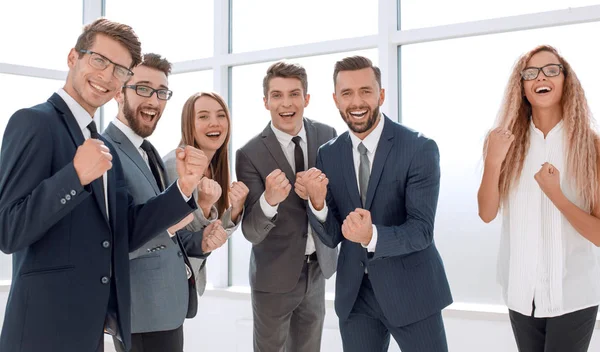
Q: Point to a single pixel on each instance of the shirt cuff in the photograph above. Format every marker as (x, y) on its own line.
(187, 199)
(321, 215)
(373, 243)
(269, 210)
(171, 235)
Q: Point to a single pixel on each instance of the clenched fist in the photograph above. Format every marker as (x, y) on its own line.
(316, 187)
(213, 237)
(277, 187)
(191, 163)
(299, 185)
(548, 178)
(209, 192)
(92, 160)
(499, 142)
(237, 197)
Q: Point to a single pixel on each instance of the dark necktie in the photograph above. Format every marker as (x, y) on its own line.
(298, 154)
(94, 134)
(153, 161)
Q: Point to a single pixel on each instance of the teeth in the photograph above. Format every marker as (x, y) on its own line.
(543, 89)
(358, 113)
(287, 114)
(149, 112)
(213, 134)
(103, 90)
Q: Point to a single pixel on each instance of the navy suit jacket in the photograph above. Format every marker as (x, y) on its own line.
(406, 270)
(60, 238)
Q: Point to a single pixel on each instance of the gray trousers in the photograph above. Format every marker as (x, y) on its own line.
(292, 321)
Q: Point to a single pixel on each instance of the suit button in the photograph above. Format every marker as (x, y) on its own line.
(362, 264)
(105, 244)
(105, 280)
(73, 192)
(67, 197)
(179, 254)
(63, 201)
(162, 246)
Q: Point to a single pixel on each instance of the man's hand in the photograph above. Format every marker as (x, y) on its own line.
(191, 163)
(316, 183)
(214, 236)
(92, 160)
(237, 197)
(358, 227)
(183, 223)
(277, 187)
(300, 187)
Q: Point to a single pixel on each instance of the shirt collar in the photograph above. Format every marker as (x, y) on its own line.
(82, 117)
(284, 138)
(370, 141)
(135, 139)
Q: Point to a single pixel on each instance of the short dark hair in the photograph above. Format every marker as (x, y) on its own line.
(122, 33)
(157, 62)
(285, 70)
(355, 63)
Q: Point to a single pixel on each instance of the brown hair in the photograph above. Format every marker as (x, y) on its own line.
(581, 153)
(122, 33)
(157, 62)
(285, 70)
(355, 63)
(220, 161)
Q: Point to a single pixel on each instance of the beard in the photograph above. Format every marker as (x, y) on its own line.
(362, 126)
(135, 123)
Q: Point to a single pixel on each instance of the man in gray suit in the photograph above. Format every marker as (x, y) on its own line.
(288, 264)
(163, 288)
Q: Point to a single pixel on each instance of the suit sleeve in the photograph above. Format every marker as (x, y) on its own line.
(330, 231)
(192, 243)
(421, 198)
(33, 196)
(255, 225)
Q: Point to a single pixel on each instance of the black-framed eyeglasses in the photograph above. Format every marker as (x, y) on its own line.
(101, 62)
(145, 91)
(550, 70)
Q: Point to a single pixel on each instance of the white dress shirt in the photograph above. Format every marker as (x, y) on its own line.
(542, 257)
(370, 142)
(288, 148)
(133, 137)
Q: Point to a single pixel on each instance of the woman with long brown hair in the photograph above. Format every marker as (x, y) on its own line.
(542, 171)
(206, 125)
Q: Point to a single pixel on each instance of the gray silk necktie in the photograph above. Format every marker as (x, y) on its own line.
(364, 171)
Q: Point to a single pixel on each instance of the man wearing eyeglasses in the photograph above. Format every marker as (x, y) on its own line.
(163, 286)
(65, 211)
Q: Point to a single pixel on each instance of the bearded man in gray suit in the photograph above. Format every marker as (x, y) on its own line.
(288, 264)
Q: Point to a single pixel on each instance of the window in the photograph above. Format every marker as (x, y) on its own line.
(428, 13)
(23, 92)
(269, 24)
(167, 135)
(454, 98)
(39, 32)
(178, 30)
(250, 117)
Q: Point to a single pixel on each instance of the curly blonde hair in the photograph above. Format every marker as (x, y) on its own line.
(582, 141)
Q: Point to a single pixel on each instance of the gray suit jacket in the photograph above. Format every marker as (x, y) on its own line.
(279, 244)
(199, 223)
(161, 294)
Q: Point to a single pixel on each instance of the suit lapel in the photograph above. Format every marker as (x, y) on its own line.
(274, 147)
(77, 136)
(123, 143)
(312, 142)
(349, 172)
(383, 149)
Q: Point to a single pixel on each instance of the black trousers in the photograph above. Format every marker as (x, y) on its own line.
(570, 332)
(157, 341)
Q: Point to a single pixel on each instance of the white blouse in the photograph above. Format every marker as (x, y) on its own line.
(542, 257)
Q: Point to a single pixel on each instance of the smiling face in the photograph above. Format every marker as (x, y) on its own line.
(140, 113)
(92, 87)
(211, 124)
(286, 102)
(358, 98)
(544, 92)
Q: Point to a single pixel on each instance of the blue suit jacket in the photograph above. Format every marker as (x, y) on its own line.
(406, 270)
(60, 237)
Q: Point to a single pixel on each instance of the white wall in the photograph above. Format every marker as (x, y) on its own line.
(224, 323)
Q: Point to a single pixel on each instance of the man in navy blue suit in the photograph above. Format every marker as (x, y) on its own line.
(65, 212)
(375, 191)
